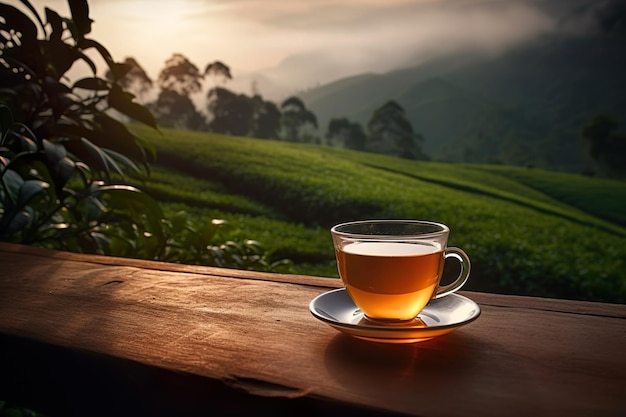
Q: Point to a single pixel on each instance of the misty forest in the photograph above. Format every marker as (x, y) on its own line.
(387, 131)
(554, 102)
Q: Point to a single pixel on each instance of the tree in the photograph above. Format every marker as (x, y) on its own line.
(297, 121)
(343, 133)
(606, 146)
(173, 109)
(219, 70)
(178, 80)
(265, 119)
(135, 78)
(231, 113)
(180, 75)
(390, 132)
(241, 115)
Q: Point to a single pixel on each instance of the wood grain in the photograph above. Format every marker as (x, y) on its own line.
(234, 337)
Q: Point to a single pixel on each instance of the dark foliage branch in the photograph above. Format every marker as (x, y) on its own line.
(64, 157)
(62, 154)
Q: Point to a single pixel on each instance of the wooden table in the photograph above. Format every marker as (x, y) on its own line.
(89, 335)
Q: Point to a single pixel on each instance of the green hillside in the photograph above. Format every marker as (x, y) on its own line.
(526, 106)
(527, 231)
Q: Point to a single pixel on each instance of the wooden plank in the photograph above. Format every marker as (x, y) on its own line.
(168, 266)
(549, 304)
(254, 334)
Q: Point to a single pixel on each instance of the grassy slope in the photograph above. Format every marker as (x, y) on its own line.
(527, 231)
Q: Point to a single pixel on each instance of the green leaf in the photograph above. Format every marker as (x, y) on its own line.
(58, 95)
(89, 43)
(92, 209)
(12, 182)
(61, 173)
(62, 57)
(42, 172)
(118, 157)
(119, 246)
(103, 161)
(54, 151)
(207, 231)
(123, 102)
(20, 221)
(80, 16)
(116, 136)
(56, 22)
(119, 70)
(29, 189)
(179, 221)
(25, 143)
(73, 131)
(85, 242)
(102, 242)
(131, 198)
(92, 83)
(147, 145)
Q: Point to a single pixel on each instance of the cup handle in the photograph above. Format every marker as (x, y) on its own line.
(463, 259)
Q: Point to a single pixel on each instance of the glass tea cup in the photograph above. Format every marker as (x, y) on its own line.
(392, 268)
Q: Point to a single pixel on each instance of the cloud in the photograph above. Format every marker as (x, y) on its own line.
(393, 28)
(323, 40)
(307, 42)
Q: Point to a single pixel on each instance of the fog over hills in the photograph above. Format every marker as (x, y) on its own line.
(521, 99)
(410, 34)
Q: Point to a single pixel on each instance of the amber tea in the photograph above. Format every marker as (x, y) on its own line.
(392, 269)
(388, 278)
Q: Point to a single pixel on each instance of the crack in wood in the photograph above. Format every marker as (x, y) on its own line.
(115, 281)
(263, 388)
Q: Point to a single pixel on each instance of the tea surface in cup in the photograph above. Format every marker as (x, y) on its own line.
(390, 279)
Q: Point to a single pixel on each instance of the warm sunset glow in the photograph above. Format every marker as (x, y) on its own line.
(309, 41)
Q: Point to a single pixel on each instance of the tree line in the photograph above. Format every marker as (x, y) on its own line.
(388, 131)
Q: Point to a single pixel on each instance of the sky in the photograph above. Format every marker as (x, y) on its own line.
(304, 43)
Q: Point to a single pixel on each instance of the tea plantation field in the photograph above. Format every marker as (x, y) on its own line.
(527, 231)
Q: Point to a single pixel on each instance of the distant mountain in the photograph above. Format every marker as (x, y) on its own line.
(523, 106)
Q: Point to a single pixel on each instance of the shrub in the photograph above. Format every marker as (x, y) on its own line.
(61, 150)
(64, 157)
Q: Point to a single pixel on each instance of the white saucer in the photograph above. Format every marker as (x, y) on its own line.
(439, 317)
